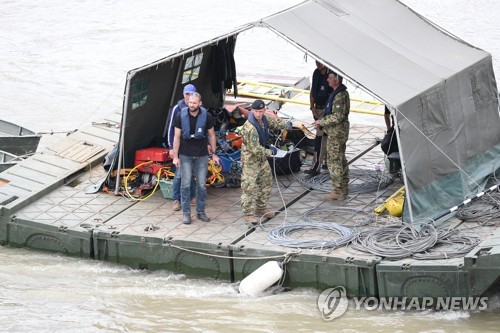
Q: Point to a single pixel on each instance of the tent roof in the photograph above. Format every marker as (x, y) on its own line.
(381, 44)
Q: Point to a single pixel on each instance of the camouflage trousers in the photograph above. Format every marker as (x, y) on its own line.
(337, 163)
(256, 181)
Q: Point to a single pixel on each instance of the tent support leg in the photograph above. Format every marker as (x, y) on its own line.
(403, 167)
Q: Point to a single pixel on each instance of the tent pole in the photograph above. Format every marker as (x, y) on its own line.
(403, 164)
(122, 132)
(172, 99)
(177, 77)
(466, 202)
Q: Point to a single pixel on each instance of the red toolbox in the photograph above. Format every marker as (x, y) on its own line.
(157, 156)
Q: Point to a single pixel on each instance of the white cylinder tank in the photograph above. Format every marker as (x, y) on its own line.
(261, 279)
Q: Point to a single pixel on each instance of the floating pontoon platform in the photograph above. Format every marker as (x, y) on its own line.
(45, 205)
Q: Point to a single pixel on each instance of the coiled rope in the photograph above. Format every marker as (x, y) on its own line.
(331, 214)
(282, 236)
(460, 246)
(485, 212)
(342, 235)
(396, 242)
(367, 181)
(415, 240)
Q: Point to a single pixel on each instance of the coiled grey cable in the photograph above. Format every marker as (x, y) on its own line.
(485, 211)
(396, 242)
(323, 214)
(281, 236)
(460, 246)
(371, 181)
(480, 213)
(492, 199)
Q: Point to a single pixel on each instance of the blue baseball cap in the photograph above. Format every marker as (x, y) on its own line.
(189, 88)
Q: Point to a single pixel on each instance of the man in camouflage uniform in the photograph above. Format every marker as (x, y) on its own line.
(256, 177)
(335, 124)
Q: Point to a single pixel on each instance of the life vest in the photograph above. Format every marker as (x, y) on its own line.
(331, 98)
(201, 124)
(263, 132)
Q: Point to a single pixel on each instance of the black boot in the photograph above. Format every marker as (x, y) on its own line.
(203, 217)
(312, 172)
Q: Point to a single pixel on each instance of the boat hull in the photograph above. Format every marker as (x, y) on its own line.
(19, 145)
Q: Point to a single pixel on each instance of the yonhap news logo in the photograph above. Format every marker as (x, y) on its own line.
(333, 303)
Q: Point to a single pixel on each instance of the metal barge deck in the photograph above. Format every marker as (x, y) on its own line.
(44, 206)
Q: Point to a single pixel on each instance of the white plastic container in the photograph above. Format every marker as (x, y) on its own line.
(261, 279)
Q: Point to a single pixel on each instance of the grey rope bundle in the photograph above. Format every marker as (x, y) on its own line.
(420, 240)
(396, 242)
(323, 215)
(483, 211)
(492, 198)
(281, 236)
(461, 245)
(371, 181)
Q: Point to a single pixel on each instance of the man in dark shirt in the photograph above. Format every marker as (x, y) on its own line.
(320, 90)
(194, 130)
(388, 118)
(175, 110)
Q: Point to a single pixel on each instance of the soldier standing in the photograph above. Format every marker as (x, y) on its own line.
(256, 177)
(335, 124)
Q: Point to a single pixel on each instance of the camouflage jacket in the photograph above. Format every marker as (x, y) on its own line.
(335, 124)
(251, 148)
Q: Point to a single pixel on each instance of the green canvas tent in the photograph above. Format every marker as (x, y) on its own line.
(441, 89)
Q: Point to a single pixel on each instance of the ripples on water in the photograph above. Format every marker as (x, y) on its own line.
(50, 293)
(47, 292)
(63, 65)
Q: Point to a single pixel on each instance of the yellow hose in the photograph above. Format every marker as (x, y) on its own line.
(154, 189)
